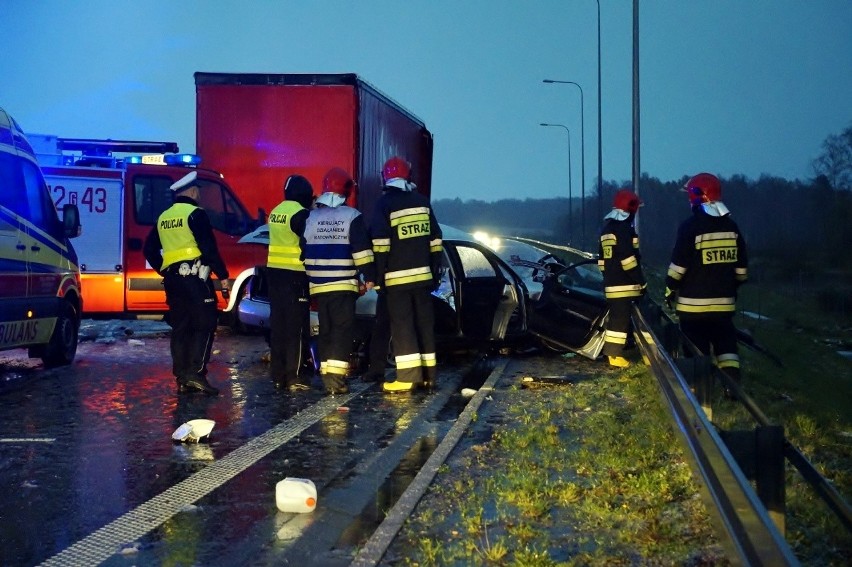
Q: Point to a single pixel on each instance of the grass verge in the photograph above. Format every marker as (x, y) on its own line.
(587, 472)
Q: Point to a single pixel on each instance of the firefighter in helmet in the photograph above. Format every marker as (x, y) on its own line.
(408, 248)
(620, 263)
(289, 306)
(182, 248)
(709, 262)
(337, 251)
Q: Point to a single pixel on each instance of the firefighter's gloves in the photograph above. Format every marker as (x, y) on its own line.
(670, 298)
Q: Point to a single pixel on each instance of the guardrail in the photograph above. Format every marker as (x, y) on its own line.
(748, 531)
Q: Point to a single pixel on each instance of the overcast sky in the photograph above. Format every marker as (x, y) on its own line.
(731, 87)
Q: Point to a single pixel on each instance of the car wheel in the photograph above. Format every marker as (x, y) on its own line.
(62, 348)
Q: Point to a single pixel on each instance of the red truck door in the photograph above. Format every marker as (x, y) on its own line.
(148, 196)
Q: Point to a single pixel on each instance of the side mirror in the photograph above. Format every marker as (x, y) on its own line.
(71, 221)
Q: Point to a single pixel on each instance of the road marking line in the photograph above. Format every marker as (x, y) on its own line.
(374, 549)
(106, 541)
(27, 440)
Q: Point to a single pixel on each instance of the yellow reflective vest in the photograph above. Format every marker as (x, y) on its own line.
(284, 250)
(176, 238)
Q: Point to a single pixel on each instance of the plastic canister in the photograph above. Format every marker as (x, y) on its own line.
(296, 495)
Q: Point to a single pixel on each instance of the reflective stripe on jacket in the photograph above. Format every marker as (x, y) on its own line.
(619, 260)
(337, 248)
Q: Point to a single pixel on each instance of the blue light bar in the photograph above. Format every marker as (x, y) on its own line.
(183, 159)
(133, 159)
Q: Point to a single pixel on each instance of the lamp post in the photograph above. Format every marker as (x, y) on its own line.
(600, 145)
(582, 159)
(570, 186)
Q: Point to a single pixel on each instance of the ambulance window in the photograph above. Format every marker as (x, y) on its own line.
(13, 196)
(42, 212)
(151, 196)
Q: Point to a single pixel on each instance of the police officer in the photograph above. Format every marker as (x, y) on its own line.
(337, 249)
(288, 284)
(408, 248)
(182, 248)
(709, 262)
(619, 262)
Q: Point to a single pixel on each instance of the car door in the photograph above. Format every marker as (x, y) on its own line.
(489, 299)
(571, 310)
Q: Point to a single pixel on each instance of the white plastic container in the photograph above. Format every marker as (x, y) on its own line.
(297, 495)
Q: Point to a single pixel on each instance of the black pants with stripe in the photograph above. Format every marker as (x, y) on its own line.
(289, 320)
(193, 318)
(617, 326)
(412, 320)
(336, 313)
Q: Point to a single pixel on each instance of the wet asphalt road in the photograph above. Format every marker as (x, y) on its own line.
(91, 475)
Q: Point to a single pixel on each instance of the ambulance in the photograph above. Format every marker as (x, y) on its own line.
(40, 297)
(120, 188)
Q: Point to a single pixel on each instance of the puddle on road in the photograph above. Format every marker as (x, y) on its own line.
(393, 487)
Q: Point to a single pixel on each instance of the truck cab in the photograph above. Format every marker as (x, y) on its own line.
(121, 187)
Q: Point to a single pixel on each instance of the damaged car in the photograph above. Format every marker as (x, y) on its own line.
(502, 294)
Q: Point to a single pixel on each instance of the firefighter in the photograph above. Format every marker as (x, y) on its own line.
(182, 248)
(289, 306)
(337, 249)
(407, 245)
(620, 263)
(709, 262)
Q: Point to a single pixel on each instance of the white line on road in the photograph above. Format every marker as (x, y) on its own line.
(27, 440)
(103, 543)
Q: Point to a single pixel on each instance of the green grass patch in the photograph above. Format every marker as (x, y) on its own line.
(584, 474)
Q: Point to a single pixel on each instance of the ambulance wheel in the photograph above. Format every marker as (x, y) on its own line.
(62, 348)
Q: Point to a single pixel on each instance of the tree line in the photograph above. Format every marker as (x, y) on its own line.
(796, 225)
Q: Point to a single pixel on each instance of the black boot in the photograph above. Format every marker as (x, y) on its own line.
(200, 384)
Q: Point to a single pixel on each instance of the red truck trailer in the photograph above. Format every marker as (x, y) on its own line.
(257, 129)
(120, 189)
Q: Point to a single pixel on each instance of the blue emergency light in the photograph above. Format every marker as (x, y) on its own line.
(183, 159)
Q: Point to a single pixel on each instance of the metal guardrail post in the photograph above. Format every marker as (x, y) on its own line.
(769, 472)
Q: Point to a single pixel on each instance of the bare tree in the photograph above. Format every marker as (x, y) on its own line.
(835, 162)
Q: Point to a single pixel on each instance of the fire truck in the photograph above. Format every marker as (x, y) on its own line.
(120, 189)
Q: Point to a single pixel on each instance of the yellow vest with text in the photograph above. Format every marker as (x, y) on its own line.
(178, 242)
(284, 250)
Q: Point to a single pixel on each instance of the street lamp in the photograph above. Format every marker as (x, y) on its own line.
(582, 158)
(600, 155)
(570, 186)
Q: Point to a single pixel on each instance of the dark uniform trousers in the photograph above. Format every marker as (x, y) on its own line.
(617, 326)
(289, 320)
(718, 332)
(380, 339)
(412, 319)
(193, 318)
(336, 313)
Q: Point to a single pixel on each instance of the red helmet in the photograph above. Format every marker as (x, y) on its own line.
(337, 181)
(396, 168)
(703, 188)
(626, 200)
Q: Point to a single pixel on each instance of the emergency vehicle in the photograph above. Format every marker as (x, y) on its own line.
(120, 189)
(40, 299)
